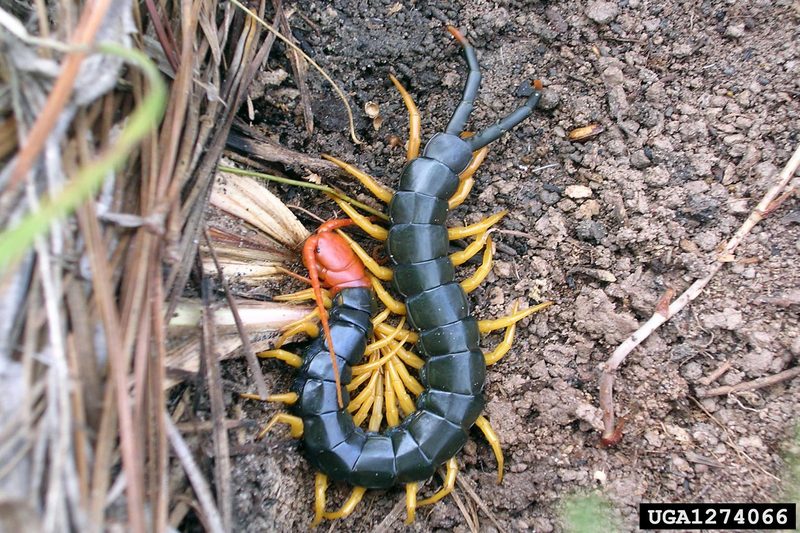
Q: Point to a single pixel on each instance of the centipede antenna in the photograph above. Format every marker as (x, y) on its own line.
(496, 131)
(462, 112)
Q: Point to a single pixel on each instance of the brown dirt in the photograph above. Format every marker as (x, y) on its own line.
(699, 102)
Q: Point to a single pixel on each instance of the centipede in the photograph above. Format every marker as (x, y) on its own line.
(358, 349)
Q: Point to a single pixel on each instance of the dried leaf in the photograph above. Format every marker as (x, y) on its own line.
(256, 316)
(586, 132)
(247, 199)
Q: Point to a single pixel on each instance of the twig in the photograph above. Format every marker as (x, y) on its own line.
(250, 355)
(468, 518)
(716, 374)
(118, 363)
(222, 461)
(466, 486)
(665, 312)
(756, 384)
(199, 483)
(248, 140)
(387, 524)
(730, 440)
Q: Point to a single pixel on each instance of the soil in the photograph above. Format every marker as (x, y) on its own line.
(698, 103)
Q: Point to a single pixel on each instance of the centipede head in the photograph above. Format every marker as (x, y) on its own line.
(332, 264)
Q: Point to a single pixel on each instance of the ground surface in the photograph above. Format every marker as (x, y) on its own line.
(699, 103)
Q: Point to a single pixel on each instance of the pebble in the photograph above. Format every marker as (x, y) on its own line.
(524, 90)
(588, 209)
(602, 12)
(735, 30)
(729, 318)
(549, 100)
(757, 361)
(752, 441)
(578, 191)
(549, 197)
(739, 206)
(681, 464)
(590, 230)
(613, 76)
(696, 187)
(692, 371)
(639, 160)
(681, 49)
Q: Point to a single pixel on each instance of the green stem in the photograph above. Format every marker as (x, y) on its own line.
(297, 183)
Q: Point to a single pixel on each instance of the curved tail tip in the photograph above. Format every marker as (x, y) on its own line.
(457, 34)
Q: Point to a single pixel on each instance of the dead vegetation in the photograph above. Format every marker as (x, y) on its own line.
(106, 181)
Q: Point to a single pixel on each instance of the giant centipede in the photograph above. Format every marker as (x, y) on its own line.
(436, 306)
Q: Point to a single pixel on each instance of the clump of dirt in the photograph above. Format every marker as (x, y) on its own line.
(698, 103)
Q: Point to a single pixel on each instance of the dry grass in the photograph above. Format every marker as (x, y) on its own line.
(104, 194)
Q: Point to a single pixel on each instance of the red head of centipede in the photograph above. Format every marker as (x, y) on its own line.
(333, 264)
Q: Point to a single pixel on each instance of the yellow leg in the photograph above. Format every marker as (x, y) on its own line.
(291, 359)
(365, 395)
(386, 329)
(392, 416)
(477, 161)
(373, 230)
(381, 317)
(374, 365)
(485, 326)
(295, 425)
(463, 190)
(305, 294)
(377, 407)
(466, 182)
(472, 282)
(405, 401)
(505, 345)
(358, 381)
(386, 340)
(494, 442)
(447, 487)
(349, 505)
(413, 121)
(363, 411)
(411, 502)
(310, 316)
(408, 380)
(459, 258)
(381, 193)
(410, 358)
(474, 229)
(382, 273)
(288, 398)
(393, 305)
(320, 488)
(309, 328)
